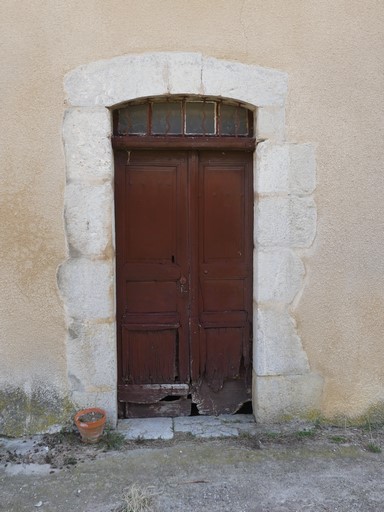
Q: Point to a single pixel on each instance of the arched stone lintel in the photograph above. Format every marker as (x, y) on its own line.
(111, 82)
(285, 220)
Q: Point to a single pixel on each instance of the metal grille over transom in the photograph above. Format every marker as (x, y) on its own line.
(202, 116)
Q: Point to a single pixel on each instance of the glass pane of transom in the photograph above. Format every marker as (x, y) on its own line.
(133, 120)
(200, 118)
(167, 118)
(233, 120)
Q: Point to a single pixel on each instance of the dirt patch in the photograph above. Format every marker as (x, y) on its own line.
(293, 467)
(65, 450)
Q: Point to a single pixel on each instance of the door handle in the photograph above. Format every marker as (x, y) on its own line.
(183, 284)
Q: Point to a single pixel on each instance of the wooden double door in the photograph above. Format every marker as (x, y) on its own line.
(184, 281)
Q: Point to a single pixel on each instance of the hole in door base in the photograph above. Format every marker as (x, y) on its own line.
(171, 406)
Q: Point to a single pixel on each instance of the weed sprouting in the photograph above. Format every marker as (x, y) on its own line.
(112, 440)
(338, 439)
(70, 461)
(373, 448)
(272, 435)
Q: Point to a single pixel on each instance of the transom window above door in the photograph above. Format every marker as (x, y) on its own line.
(184, 117)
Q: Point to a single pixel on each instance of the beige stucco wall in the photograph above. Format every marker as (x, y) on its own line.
(333, 53)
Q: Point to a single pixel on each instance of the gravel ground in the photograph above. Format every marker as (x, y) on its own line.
(288, 468)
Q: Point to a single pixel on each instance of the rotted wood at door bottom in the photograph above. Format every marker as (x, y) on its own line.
(162, 401)
(223, 385)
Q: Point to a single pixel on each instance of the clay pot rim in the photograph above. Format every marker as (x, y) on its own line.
(90, 424)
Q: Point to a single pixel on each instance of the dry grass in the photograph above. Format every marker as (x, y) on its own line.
(137, 498)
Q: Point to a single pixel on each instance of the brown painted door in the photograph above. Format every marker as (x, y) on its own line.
(184, 281)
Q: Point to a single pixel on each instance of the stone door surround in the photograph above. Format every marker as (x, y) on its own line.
(284, 226)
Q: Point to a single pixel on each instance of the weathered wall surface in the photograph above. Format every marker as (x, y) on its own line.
(333, 54)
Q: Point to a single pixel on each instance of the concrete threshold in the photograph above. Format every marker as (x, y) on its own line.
(197, 426)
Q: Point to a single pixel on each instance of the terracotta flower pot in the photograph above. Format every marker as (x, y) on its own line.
(91, 423)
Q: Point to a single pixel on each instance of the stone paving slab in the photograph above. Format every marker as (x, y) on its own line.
(200, 426)
(197, 426)
(20, 446)
(146, 428)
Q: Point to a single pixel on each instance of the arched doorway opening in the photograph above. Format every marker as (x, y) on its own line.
(284, 223)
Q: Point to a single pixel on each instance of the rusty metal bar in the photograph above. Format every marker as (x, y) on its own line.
(177, 142)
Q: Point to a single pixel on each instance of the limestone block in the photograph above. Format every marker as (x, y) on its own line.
(107, 401)
(278, 397)
(279, 275)
(88, 216)
(128, 77)
(270, 124)
(278, 349)
(285, 168)
(251, 84)
(115, 80)
(184, 73)
(87, 286)
(87, 144)
(302, 168)
(285, 221)
(272, 168)
(91, 356)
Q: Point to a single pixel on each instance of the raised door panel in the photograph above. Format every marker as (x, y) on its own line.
(151, 195)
